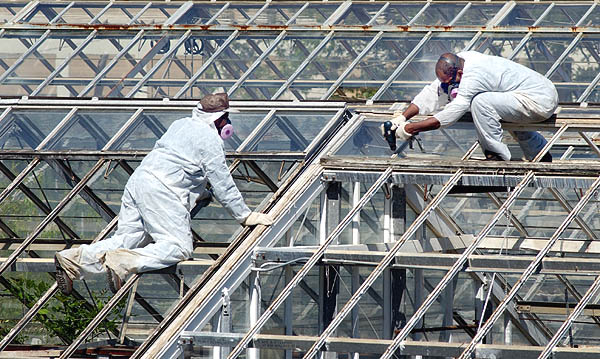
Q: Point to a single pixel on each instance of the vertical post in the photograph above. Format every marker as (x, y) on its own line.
(397, 276)
(507, 329)
(355, 269)
(328, 274)
(480, 315)
(255, 298)
(419, 280)
(224, 325)
(447, 307)
(387, 291)
(287, 309)
(215, 321)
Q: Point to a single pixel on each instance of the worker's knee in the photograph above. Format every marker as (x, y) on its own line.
(480, 105)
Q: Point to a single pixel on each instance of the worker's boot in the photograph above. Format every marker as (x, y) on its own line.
(492, 156)
(546, 158)
(114, 281)
(65, 284)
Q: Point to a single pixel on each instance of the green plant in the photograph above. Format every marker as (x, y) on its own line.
(65, 316)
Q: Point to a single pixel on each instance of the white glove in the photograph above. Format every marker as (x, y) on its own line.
(258, 218)
(400, 123)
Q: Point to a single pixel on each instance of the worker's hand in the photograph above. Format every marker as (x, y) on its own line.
(400, 123)
(258, 218)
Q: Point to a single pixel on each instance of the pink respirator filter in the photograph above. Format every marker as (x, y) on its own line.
(227, 131)
(454, 92)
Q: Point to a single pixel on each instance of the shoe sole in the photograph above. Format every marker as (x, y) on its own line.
(65, 284)
(114, 282)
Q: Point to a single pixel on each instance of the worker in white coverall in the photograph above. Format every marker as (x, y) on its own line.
(158, 198)
(493, 89)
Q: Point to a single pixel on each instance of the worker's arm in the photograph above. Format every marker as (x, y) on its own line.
(414, 128)
(407, 129)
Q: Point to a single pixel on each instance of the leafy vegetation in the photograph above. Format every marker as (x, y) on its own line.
(64, 316)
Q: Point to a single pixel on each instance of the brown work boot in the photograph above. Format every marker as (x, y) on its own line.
(65, 284)
(114, 281)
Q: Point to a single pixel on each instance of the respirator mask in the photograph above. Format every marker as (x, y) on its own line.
(450, 89)
(224, 126)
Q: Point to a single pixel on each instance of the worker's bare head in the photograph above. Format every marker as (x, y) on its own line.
(448, 68)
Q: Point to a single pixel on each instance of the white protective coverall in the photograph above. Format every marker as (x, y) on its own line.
(157, 201)
(493, 89)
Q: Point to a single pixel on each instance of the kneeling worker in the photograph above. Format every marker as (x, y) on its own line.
(493, 89)
(157, 201)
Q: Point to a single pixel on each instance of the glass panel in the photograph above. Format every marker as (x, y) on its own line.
(243, 124)
(359, 14)
(43, 14)
(124, 14)
(238, 14)
(91, 130)
(478, 14)
(524, 14)
(593, 18)
(378, 64)
(26, 129)
(564, 15)
(101, 51)
(151, 126)
(316, 14)
(399, 14)
(329, 64)
(540, 52)
(82, 15)
(438, 14)
(498, 44)
(8, 11)
(292, 131)
(579, 69)
(277, 14)
(81, 66)
(410, 81)
(202, 12)
(233, 61)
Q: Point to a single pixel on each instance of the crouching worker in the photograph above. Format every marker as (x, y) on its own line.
(493, 89)
(154, 220)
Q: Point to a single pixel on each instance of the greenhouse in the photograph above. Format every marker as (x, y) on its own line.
(427, 251)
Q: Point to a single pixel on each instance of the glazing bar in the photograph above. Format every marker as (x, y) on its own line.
(385, 262)
(458, 265)
(533, 266)
(309, 264)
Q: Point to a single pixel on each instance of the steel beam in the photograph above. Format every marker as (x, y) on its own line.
(383, 264)
(529, 271)
(402, 335)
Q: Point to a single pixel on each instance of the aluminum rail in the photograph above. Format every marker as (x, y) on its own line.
(50, 217)
(385, 262)
(533, 266)
(403, 334)
(229, 271)
(591, 292)
(309, 264)
(265, 53)
(46, 297)
(351, 67)
(100, 316)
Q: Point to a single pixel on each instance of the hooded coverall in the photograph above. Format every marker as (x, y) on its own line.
(493, 89)
(157, 201)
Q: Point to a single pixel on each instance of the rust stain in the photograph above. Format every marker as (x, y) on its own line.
(273, 27)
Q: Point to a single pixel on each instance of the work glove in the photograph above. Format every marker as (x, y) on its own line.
(400, 123)
(258, 218)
